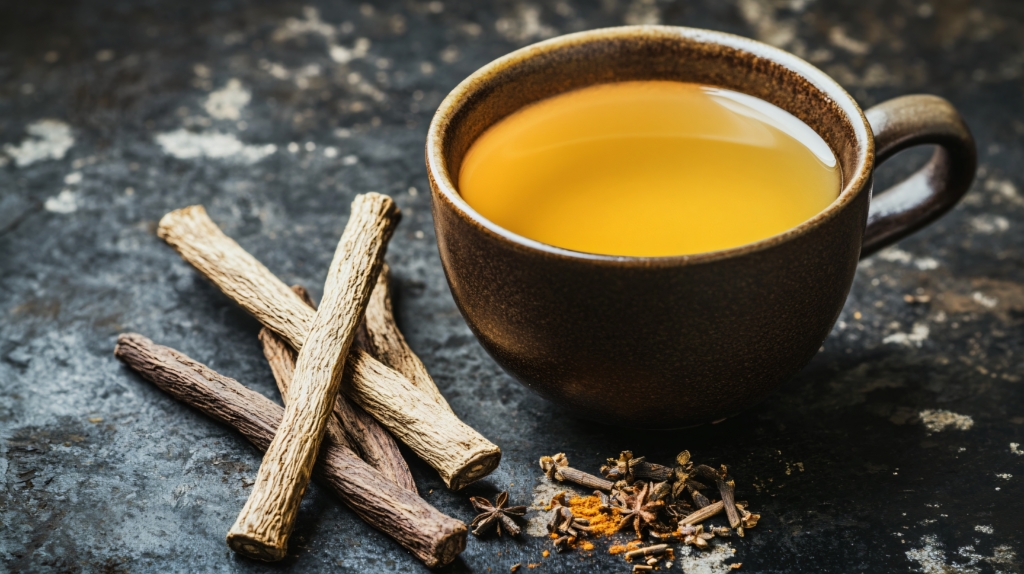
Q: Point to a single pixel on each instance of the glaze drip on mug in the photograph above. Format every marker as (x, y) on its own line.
(651, 168)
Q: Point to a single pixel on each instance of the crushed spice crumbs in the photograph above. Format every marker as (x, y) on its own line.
(579, 520)
(589, 508)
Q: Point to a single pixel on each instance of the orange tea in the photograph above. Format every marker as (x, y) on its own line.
(649, 168)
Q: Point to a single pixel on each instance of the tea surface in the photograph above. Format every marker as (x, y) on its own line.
(650, 168)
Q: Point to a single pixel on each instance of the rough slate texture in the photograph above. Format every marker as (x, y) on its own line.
(101, 472)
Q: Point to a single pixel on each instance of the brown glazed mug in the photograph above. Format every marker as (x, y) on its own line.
(667, 342)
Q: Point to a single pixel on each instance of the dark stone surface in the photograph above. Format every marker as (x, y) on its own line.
(102, 472)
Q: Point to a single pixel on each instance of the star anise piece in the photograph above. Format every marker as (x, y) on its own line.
(495, 515)
(639, 510)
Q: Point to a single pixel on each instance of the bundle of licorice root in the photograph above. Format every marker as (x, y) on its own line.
(350, 385)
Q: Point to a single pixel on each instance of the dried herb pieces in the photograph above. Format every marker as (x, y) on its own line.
(722, 531)
(579, 517)
(557, 467)
(629, 468)
(656, 550)
(748, 519)
(695, 535)
(651, 555)
(565, 527)
(668, 504)
(703, 514)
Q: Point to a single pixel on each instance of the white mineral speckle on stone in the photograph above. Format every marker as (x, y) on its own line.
(897, 255)
(1004, 188)
(838, 37)
(73, 178)
(184, 144)
(301, 76)
(47, 139)
(984, 300)
(227, 102)
(1015, 448)
(274, 69)
(932, 558)
(710, 561)
(523, 24)
(1005, 475)
(311, 23)
(768, 27)
(344, 55)
(990, 224)
(642, 12)
(984, 529)
(64, 202)
(361, 86)
(940, 420)
(918, 334)
(450, 54)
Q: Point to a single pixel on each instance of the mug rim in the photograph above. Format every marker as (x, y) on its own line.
(437, 168)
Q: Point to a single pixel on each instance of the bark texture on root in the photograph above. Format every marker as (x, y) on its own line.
(381, 337)
(431, 536)
(372, 442)
(458, 452)
(265, 522)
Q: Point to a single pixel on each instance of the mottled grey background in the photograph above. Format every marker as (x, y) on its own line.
(113, 113)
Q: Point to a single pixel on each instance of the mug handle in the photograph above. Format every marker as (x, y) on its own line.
(908, 121)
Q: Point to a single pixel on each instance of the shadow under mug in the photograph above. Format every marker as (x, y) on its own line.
(668, 342)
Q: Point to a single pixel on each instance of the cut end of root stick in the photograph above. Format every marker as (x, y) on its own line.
(448, 547)
(168, 221)
(478, 466)
(248, 546)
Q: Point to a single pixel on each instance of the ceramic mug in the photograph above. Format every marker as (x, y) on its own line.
(666, 342)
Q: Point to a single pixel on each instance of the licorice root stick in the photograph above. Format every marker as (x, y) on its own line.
(379, 336)
(265, 522)
(431, 536)
(459, 453)
(281, 359)
(704, 513)
(364, 434)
